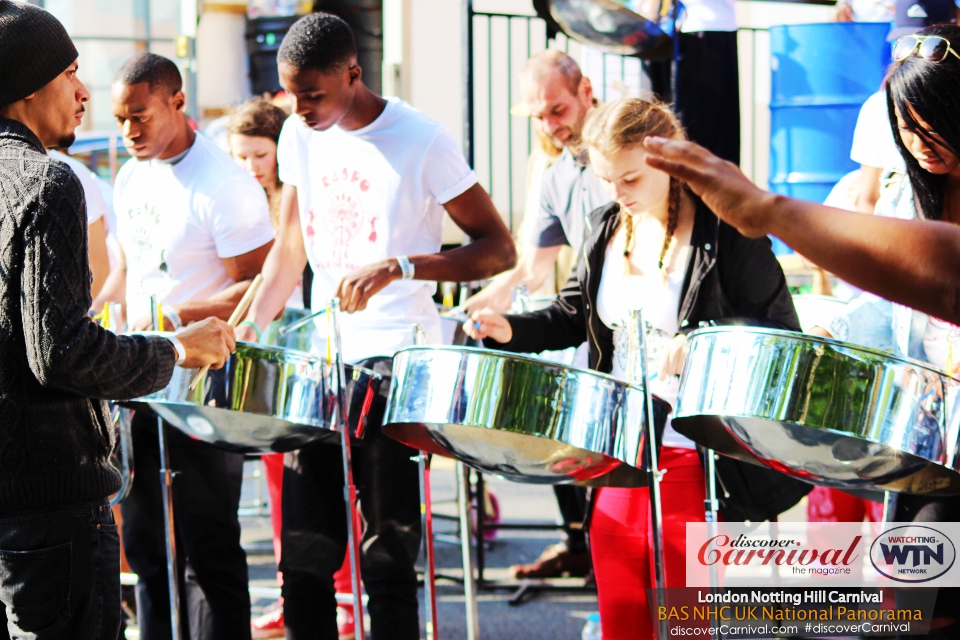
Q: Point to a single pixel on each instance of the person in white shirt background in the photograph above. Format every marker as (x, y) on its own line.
(366, 182)
(97, 215)
(194, 229)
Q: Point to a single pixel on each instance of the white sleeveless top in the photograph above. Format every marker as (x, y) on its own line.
(660, 302)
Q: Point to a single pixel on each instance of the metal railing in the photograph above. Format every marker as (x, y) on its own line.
(502, 143)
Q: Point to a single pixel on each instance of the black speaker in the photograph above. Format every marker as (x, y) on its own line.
(263, 36)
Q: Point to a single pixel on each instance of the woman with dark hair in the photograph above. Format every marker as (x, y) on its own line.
(923, 100)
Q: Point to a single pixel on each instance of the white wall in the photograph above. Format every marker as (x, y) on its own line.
(222, 64)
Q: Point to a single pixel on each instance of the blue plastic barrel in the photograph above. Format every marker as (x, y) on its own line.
(821, 76)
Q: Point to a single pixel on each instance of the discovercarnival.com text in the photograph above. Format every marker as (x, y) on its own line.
(764, 631)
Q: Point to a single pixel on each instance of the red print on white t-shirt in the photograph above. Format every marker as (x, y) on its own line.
(344, 215)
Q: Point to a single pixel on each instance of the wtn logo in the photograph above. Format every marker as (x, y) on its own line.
(912, 554)
(900, 554)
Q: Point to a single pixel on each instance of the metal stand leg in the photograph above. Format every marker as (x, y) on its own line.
(426, 511)
(712, 506)
(653, 473)
(349, 488)
(429, 569)
(469, 587)
(166, 490)
(889, 506)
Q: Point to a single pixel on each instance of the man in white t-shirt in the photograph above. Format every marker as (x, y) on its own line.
(366, 182)
(97, 214)
(194, 229)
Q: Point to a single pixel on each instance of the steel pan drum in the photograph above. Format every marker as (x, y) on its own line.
(265, 399)
(300, 338)
(519, 417)
(831, 413)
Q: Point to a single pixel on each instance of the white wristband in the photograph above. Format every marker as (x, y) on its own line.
(173, 317)
(181, 352)
(406, 267)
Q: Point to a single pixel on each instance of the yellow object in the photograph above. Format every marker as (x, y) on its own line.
(329, 336)
(160, 316)
(182, 46)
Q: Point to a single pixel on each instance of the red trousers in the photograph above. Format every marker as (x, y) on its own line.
(622, 545)
(832, 505)
(273, 474)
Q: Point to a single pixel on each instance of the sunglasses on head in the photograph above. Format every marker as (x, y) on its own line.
(932, 48)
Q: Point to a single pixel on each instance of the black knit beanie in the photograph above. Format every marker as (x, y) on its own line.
(34, 49)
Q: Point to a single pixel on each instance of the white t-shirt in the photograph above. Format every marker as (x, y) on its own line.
(873, 143)
(660, 302)
(96, 206)
(872, 10)
(708, 15)
(368, 195)
(176, 221)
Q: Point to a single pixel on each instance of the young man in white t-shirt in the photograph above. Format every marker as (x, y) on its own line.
(97, 214)
(194, 229)
(366, 181)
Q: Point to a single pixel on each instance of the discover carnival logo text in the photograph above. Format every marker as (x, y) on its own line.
(817, 554)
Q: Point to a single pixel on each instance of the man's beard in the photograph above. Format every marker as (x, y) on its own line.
(66, 141)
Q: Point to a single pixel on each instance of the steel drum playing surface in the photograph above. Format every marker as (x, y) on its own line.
(825, 411)
(518, 417)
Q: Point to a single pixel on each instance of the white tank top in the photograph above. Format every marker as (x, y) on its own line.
(660, 302)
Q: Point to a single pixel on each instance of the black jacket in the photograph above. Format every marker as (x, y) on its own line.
(728, 276)
(56, 364)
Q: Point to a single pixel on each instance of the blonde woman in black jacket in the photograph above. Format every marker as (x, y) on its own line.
(658, 248)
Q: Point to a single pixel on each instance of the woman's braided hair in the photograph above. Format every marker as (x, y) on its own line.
(625, 123)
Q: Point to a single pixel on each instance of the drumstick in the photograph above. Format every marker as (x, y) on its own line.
(234, 320)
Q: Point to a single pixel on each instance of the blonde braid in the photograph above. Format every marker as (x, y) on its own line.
(673, 218)
(627, 221)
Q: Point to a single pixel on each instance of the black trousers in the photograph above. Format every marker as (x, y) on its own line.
(60, 573)
(214, 599)
(315, 533)
(572, 502)
(708, 91)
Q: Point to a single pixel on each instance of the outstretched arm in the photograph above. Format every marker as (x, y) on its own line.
(913, 262)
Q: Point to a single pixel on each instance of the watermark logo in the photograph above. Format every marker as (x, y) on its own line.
(912, 554)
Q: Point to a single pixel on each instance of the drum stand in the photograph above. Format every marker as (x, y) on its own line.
(166, 492)
(464, 512)
(638, 355)
(349, 488)
(712, 507)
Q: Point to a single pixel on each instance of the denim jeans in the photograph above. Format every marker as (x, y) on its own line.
(60, 573)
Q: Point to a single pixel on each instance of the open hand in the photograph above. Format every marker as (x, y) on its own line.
(720, 184)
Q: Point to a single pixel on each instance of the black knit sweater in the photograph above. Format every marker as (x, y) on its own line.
(56, 364)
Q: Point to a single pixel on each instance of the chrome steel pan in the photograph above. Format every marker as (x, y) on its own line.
(831, 413)
(300, 339)
(266, 399)
(518, 417)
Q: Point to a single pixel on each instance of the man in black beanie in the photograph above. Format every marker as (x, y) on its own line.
(59, 547)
